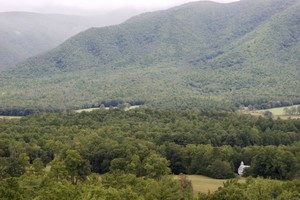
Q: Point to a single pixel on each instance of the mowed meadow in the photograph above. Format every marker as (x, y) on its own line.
(204, 184)
(10, 117)
(284, 112)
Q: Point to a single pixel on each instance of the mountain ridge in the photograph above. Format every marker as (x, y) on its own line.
(200, 54)
(27, 34)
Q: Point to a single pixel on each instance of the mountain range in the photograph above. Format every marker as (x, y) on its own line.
(197, 55)
(25, 34)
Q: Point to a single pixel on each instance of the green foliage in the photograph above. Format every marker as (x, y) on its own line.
(267, 114)
(199, 55)
(155, 166)
(10, 190)
(148, 143)
(53, 190)
(38, 166)
(274, 163)
(25, 34)
(221, 169)
(58, 170)
(130, 152)
(255, 189)
(186, 187)
(76, 167)
(72, 162)
(11, 167)
(292, 110)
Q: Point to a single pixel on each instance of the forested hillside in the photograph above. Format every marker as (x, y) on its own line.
(24, 34)
(127, 154)
(201, 54)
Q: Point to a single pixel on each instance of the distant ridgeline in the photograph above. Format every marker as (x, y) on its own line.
(199, 55)
(25, 34)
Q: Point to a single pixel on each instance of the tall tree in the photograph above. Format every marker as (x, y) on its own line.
(155, 166)
(76, 166)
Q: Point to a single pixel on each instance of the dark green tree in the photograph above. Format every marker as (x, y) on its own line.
(11, 190)
(221, 169)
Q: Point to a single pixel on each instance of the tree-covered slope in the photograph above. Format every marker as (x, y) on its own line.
(264, 63)
(24, 34)
(198, 54)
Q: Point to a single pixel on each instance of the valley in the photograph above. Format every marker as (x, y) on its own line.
(170, 59)
(195, 102)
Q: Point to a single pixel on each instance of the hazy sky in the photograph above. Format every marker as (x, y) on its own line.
(92, 5)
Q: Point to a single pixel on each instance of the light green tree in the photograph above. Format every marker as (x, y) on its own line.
(155, 166)
(76, 167)
(165, 189)
(38, 166)
(58, 169)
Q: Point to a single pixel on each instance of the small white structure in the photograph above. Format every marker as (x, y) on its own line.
(241, 168)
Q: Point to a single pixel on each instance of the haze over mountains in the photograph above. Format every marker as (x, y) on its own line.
(25, 34)
(195, 55)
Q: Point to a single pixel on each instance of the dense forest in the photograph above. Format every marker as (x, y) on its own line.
(190, 67)
(198, 55)
(116, 154)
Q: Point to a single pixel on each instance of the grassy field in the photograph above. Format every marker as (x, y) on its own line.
(9, 117)
(87, 110)
(92, 109)
(277, 112)
(203, 184)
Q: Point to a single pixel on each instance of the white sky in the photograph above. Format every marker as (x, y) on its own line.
(95, 5)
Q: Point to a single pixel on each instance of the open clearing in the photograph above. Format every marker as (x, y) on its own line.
(106, 108)
(203, 184)
(87, 110)
(10, 117)
(277, 112)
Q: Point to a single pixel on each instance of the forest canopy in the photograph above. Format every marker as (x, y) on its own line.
(150, 143)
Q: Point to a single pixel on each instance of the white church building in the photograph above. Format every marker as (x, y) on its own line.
(241, 168)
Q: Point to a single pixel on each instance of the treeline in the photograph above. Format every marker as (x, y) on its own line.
(255, 189)
(264, 103)
(68, 147)
(20, 111)
(114, 186)
(26, 111)
(113, 103)
(292, 111)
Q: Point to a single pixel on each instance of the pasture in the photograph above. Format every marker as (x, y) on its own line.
(87, 110)
(279, 112)
(106, 108)
(10, 117)
(203, 184)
